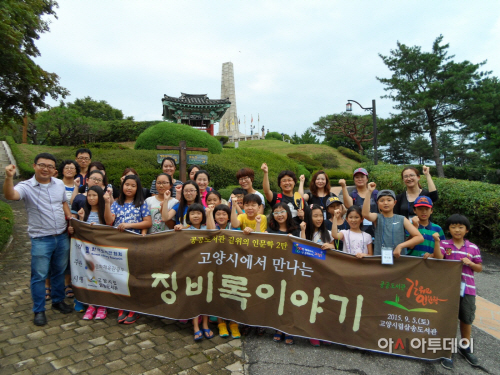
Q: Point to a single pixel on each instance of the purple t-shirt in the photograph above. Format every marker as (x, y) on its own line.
(450, 251)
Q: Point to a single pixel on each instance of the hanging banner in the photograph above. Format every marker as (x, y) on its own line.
(268, 280)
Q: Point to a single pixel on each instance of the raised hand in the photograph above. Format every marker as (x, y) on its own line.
(178, 190)
(10, 170)
(426, 170)
(303, 226)
(81, 214)
(264, 168)
(77, 181)
(371, 187)
(107, 197)
(415, 221)
(342, 182)
(300, 213)
(209, 209)
(302, 178)
(258, 219)
(168, 194)
(337, 213)
(436, 237)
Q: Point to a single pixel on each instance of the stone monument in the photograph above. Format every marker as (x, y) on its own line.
(228, 124)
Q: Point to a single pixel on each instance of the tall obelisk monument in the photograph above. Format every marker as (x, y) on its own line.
(228, 124)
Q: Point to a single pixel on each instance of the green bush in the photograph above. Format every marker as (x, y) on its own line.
(309, 163)
(103, 146)
(25, 170)
(352, 154)
(6, 223)
(335, 175)
(305, 172)
(478, 201)
(274, 135)
(223, 138)
(327, 160)
(170, 134)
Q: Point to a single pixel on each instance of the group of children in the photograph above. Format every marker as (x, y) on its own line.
(331, 226)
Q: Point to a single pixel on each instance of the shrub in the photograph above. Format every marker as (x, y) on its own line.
(335, 175)
(305, 172)
(352, 154)
(170, 134)
(478, 201)
(6, 223)
(274, 135)
(25, 170)
(327, 160)
(223, 138)
(336, 182)
(103, 146)
(308, 162)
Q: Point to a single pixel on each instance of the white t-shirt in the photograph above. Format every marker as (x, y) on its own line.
(154, 208)
(355, 242)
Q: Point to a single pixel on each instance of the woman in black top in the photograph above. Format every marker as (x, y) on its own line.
(411, 178)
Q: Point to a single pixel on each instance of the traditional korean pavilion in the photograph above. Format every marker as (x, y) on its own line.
(195, 110)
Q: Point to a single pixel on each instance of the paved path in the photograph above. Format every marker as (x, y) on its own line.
(70, 345)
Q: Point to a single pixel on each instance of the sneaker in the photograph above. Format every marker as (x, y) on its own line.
(235, 332)
(469, 357)
(79, 307)
(122, 315)
(89, 314)
(447, 363)
(223, 330)
(131, 318)
(102, 313)
(314, 342)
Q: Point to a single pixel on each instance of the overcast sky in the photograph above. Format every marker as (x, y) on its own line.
(294, 61)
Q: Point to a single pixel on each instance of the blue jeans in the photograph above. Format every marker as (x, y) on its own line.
(48, 253)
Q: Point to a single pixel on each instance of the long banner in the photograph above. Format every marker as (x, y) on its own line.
(409, 308)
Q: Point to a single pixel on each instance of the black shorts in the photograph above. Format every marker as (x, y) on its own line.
(467, 310)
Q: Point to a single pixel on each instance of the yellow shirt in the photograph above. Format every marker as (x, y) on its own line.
(246, 222)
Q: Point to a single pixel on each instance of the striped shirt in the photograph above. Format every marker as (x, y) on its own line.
(450, 251)
(428, 245)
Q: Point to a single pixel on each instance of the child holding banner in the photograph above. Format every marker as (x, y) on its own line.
(190, 193)
(356, 241)
(163, 186)
(390, 228)
(458, 248)
(280, 221)
(196, 219)
(132, 213)
(313, 228)
(334, 204)
(96, 210)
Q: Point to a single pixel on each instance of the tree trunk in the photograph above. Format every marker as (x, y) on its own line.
(435, 149)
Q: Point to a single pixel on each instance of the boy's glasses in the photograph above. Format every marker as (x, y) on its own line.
(96, 179)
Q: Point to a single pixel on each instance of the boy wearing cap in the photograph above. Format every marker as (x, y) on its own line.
(423, 208)
(332, 204)
(390, 228)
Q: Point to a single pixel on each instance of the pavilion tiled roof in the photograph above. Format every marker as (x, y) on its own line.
(195, 99)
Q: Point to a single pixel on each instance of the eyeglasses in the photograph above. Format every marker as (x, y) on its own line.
(163, 183)
(190, 191)
(243, 179)
(95, 179)
(45, 166)
(69, 168)
(83, 158)
(277, 213)
(407, 176)
(286, 181)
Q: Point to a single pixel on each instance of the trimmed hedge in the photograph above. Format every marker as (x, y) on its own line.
(274, 136)
(170, 134)
(348, 153)
(308, 162)
(478, 201)
(223, 138)
(327, 160)
(6, 223)
(25, 170)
(335, 175)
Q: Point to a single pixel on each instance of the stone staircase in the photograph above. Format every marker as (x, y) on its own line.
(6, 158)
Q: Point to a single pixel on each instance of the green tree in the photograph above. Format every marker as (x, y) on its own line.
(420, 148)
(24, 85)
(306, 138)
(393, 144)
(446, 144)
(357, 128)
(101, 110)
(432, 91)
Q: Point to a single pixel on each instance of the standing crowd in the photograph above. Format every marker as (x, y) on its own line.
(365, 222)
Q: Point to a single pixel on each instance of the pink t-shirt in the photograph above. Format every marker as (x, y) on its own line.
(469, 250)
(355, 242)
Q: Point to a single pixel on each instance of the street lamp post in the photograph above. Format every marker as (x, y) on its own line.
(373, 111)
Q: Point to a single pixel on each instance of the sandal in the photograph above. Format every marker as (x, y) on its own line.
(235, 332)
(314, 342)
(289, 340)
(277, 337)
(47, 294)
(198, 336)
(208, 333)
(69, 291)
(223, 330)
